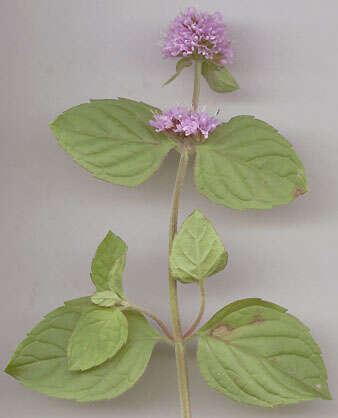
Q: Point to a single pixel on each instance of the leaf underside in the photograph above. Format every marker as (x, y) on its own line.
(247, 164)
(197, 251)
(98, 336)
(254, 352)
(108, 264)
(113, 140)
(219, 78)
(40, 360)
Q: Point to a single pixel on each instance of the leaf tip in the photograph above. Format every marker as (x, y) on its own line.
(52, 125)
(7, 369)
(197, 213)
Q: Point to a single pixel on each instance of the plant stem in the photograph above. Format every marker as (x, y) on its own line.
(182, 372)
(182, 168)
(197, 84)
(181, 362)
(200, 314)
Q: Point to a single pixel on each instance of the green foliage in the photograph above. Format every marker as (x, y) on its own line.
(246, 164)
(218, 78)
(197, 251)
(254, 352)
(40, 361)
(108, 264)
(98, 336)
(181, 64)
(97, 347)
(113, 140)
(106, 298)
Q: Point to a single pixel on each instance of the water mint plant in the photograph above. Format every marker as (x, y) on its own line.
(98, 346)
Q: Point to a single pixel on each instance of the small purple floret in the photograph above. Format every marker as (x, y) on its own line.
(198, 33)
(187, 122)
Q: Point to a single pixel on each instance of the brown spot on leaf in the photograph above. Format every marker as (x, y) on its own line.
(274, 359)
(256, 320)
(221, 331)
(292, 371)
(298, 191)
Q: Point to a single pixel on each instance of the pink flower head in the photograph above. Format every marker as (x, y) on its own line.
(201, 33)
(186, 122)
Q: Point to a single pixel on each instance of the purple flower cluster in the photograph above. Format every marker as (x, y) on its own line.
(198, 33)
(187, 122)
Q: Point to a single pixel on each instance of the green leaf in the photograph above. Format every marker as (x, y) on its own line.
(218, 78)
(113, 140)
(98, 336)
(108, 264)
(181, 64)
(106, 298)
(40, 360)
(247, 164)
(254, 352)
(197, 251)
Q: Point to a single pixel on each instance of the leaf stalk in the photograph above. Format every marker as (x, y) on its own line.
(159, 322)
(200, 314)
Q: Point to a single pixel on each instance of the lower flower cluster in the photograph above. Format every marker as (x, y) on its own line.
(186, 122)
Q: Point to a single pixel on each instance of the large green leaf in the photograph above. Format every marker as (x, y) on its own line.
(40, 360)
(113, 139)
(254, 352)
(246, 164)
(218, 78)
(197, 251)
(108, 264)
(98, 336)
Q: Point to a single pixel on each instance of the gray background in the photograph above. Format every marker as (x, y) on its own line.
(57, 54)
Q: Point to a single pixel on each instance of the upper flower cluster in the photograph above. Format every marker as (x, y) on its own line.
(198, 33)
(187, 122)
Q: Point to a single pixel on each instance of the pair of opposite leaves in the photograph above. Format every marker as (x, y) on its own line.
(244, 164)
(251, 351)
(102, 329)
(218, 77)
